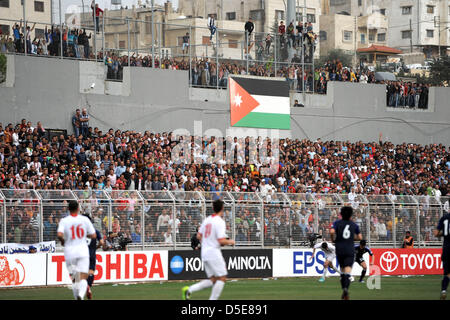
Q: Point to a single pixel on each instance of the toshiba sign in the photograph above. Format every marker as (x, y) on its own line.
(124, 266)
(408, 261)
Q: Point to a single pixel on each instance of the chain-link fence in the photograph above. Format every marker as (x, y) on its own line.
(262, 219)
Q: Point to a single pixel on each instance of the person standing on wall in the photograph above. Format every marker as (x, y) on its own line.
(96, 13)
(249, 27)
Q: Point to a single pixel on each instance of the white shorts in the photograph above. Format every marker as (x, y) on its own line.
(79, 264)
(330, 257)
(215, 268)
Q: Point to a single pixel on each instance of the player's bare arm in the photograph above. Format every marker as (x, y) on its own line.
(100, 244)
(226, 242)
(60, 236)
(333, 234)
(438, 233)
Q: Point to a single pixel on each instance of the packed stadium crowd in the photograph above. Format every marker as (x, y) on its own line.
(122, 161)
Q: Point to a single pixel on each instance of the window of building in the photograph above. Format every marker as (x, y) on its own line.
(383, 12)
(311, 18)
(205, 40)
(279, 15)
(322, 35)
(232, 44)
(148, 24)
(381, 37)
(406, 34)
(371, 37)
(4, 29)
(39, 6)
(363, 38)
(430, 33)
(256, 14)
(359, 3)
(430, 9)
(231, 15)
(122, 44)
(348, 35)
(4, 3)
(39, 33)
(407, 10)
(299, 16)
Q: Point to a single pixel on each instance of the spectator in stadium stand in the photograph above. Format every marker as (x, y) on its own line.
(185, 43)
(212, 27)
(84, 122)
(83, 40)
(76, 123)
(296, 104)
(249, 27)
(17, 39)
(291, 35)
(281, 33)
(408, 241)
(268, 41)
(96, 11)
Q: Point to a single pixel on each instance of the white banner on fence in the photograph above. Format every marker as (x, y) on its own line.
(19, 270)
(45, 247)
(115, 266)
(298, 263)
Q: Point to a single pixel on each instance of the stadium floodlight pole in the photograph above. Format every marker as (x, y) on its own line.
(25, 27)
(160, 26)
(153, 34)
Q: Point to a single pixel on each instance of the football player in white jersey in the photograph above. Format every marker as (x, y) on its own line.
(212, 236)
(330, 254)
(72, 232)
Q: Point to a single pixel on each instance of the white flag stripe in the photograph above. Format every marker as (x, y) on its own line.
(271, 104)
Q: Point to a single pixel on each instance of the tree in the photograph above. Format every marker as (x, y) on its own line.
(337, 54)
(2, 67)
(440, 71)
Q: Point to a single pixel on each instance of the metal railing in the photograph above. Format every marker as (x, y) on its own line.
(208, 58)
(170, 218)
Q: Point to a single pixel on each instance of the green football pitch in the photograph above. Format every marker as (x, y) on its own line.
(391, 288)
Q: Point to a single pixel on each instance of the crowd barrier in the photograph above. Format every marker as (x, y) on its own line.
(49, 269)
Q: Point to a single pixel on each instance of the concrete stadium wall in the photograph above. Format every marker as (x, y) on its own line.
(50, 90)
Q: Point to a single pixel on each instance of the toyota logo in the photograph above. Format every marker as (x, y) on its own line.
(389, 261)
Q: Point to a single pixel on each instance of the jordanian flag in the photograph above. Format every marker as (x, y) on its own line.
(259, 103)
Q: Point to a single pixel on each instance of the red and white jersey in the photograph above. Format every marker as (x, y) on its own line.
(212, 229)
(75, 229)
